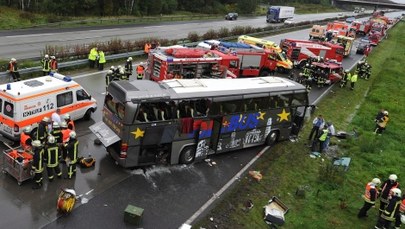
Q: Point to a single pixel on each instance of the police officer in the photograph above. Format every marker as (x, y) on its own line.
(52, 155)
(37, 163)
(72, 148)
(370, 196)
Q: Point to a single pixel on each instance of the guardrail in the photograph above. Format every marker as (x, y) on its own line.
(276, 29)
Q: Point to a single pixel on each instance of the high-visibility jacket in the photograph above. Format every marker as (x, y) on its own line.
(93, 54)
(101, 59)
(42, 131)
(353, 78)
(384, 121)
(38, 159)
(324, 135)
(371, 193)
(128, 67)
(54, 65)
(12, 66)
(46, 65)
(147, 48)
(392, 209)
(70, 124)
(65, 134)
(386, 188)
(402, 206)
(52, 155)
(140, 69)
(25, 140)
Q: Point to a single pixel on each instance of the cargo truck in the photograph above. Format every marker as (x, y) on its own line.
(279, 13)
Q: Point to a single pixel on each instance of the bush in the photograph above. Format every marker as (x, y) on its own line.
(210, 34)
(249, 29)
(223, 32)
(237, 30)
(193, 36)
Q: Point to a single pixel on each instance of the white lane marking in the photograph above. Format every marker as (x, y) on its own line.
(31, 35)
(225, 187)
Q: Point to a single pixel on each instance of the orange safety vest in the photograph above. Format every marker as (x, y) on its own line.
(71, 123)
(65, 135)
(385, 200)
(367, 194)
(23, 139)
(11, 66)
(402, 207)
(54, 64)
(140, 69)
(147, 47)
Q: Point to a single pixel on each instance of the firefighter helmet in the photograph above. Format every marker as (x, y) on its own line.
(46, 56)
(66, 116)
(129, 58)
(53, 57)
(386, 113)
(27, 129)
(396, 192)
(36, 143)
(376, 181)
(72, 135)
(392, 177)
(63, 124)
(307, 65)
(112, 68)
(13, 59)
(347, 70)
(51, 139)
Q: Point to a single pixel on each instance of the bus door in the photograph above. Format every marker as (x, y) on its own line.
(203, 128)
(216, 130)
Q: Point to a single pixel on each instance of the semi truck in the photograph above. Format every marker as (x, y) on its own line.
(279, 13)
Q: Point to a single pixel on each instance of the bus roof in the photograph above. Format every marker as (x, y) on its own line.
(35, 86)
(201, 88)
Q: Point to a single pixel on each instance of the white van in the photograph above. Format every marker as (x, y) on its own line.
(27, 102)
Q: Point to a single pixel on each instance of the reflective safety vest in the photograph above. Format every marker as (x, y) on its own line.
(140, 69)
(367, 194)
(23, 140)
(93, 54)
(54, 65)
(391, 209)
(65, 135)
(147, 48)
(353, 78)
(38, 160)
(324, 135)
(46, 65)
(386, 191)
(101, 60)
(72, 150)
(71, 124)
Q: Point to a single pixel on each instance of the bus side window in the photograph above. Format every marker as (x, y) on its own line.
(201, 107)
(120, 110)
(186, 109)
(110, 103)
(142, 115)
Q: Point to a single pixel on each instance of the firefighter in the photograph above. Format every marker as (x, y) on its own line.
(367, 71)
(70, 123)
(346, 77)
(108, 78)
(321, 79)
(51, 158)
(140, 71)
(92, 57)
(353, 79)
(401, 213)
(101, 60)
(42, 130)
(147, 48)
(13, 70)
(381, 123)
(386, 187)
(53, 64)
(26, 139)
(46, 65)
(370, 196)
(121, 73)
(65, 138)
(390, 212)
(128, 68)
(56, 133)
(37, 163)
(72, 152)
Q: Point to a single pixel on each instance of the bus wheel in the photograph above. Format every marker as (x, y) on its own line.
(87, 116)
(272, 138)
(187, 155)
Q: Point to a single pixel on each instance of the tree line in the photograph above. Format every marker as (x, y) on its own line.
(142, 7)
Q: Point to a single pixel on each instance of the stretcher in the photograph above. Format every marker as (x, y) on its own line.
(274, 212)
(18, 163)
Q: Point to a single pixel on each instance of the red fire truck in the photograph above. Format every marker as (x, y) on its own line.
(168, 63)
(361, 27)
(338, 28)
(300, 51)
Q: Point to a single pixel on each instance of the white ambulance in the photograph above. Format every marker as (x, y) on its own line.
(27, 102)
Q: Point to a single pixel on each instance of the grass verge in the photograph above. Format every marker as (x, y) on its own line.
(332, 197)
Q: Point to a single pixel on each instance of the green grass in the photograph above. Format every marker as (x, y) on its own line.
(332, 196)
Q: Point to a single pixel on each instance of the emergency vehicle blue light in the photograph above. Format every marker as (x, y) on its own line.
(67, 79)
(169, 59)
(8, 86)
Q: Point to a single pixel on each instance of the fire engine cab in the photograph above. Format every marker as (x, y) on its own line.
(300, 51)
(168, 63)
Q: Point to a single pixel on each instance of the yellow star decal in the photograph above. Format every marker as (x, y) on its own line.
(283, 115)
(138, 133)
(261, 115)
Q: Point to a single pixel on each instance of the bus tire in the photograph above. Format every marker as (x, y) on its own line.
(272, 138)
(187, 155)
(87, 116)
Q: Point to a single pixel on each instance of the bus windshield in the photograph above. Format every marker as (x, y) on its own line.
(185, 120)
